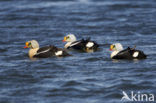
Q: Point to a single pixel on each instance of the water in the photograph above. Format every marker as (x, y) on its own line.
(83, 77)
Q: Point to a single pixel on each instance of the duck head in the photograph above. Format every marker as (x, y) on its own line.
(116, 47)
(31, 44)
(69, 38)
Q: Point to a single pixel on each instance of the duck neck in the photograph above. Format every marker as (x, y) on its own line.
(32, 52)
(114, 53)
(67, 45)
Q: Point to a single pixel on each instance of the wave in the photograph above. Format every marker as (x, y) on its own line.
(68, 3)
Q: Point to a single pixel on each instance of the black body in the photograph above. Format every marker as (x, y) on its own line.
(81, 45)
(49, 51)
(128, 54)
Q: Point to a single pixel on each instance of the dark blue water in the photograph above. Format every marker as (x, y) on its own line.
(83, 77)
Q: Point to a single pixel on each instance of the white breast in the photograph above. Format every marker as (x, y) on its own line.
(90, 44)
(114, 53)
(32, 52)
(67, 45)
(58, 53)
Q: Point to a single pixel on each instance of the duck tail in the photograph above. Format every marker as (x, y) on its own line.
(66, 54)
(88, 39)
(133, 47)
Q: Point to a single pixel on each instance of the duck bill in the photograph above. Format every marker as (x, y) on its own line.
(26, 45)
(64, 40)
(111, 48)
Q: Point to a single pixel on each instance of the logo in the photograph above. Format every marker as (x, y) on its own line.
(138, 96)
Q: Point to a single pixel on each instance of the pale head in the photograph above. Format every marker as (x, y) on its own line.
(31, 44)
(69, 38)
(116, 47)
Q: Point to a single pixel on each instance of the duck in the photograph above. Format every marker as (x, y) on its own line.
(85, 45)
(130, 53)
(44, 52)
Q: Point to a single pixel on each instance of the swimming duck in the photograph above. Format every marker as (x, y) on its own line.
(129, 53)
(82, 45)
(44, 52)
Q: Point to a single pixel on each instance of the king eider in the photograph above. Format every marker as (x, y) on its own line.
(129, 53)
(44, 52)
(82, 45)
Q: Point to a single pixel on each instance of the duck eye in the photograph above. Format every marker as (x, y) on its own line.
(113, 46)
(67, 37)
(29, 44)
